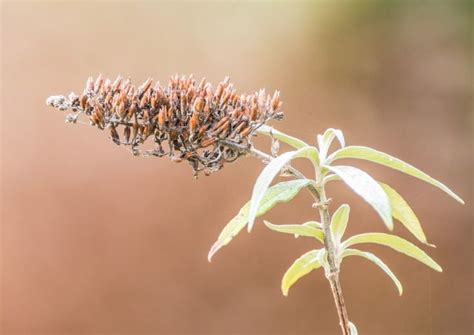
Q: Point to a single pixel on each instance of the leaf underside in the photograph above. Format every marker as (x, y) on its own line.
(281, 192)
(301, 267)
(397, 243)
(368, 189)
(365, 153)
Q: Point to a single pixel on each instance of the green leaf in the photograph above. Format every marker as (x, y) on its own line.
(332, 133)
(403, 213)
(301, 267)
(365, 186)
(290, 140)
(339, 221)
(353, 329)
(269, 173)
(376, 260)
(297, 229)
(325, 141)
(281, 192)
(360, 152)
(396, 243)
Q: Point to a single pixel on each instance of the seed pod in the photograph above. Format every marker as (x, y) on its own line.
(193, 122)
(116, 84)
(83, 101)
(222, 128)
(162, 117)
(202, 130)
(221, 122)
(246, 132)
(144, 88)
(132, 110)
(276, 101)
(121, 110)
(198, 105)
(89, 85)
(146, 115)
(98, 83)
(114, 134)
(207, 142)
(126, 134)
(253, 113)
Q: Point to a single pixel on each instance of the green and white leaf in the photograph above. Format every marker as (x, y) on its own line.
(353, 329)
(366, 187)
(396, 243)
(339, 221)
(271, 171)
(377, 261)
(325, 141)
(301, 267)
(281, 192)
(290, 140)
(403, 213)
(361, 152)
(297, 229)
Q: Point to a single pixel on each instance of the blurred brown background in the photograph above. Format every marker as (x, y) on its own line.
(95, 241)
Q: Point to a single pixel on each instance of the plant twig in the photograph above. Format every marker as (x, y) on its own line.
(333, 274)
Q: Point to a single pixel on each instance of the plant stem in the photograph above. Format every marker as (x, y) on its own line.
(332, 274)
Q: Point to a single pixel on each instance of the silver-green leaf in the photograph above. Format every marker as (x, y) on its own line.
(396, 243)
(281, 192)
(353, 329)
(290, 140)
(365, 186)
(297, 229)
(403, 213)
(361, 152)
(339, 221)
(377, 261)
(270, 172)
(301, 267)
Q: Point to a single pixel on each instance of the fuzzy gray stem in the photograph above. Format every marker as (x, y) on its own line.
(333, 272)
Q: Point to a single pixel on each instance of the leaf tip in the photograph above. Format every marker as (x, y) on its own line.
(215, 247)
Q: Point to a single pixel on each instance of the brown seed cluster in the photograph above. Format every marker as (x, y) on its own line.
(187, 121)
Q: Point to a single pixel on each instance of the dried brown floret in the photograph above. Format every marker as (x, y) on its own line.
(206, 127)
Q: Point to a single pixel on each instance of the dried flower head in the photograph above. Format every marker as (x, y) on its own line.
(187, 121)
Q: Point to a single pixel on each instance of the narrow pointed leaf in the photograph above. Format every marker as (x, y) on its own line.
(281, 192)
(377, 261)
(360, 152)
(339, 221)
(397, 244)
(270, 172)
(403, 213)
(353, 329)
(332, 133)
(365, 186)
(301, 267)
(290, 140)
(297, 229)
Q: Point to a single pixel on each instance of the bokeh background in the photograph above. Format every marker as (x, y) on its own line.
(95, 241)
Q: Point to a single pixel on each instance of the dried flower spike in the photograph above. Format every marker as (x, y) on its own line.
(186, 121)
